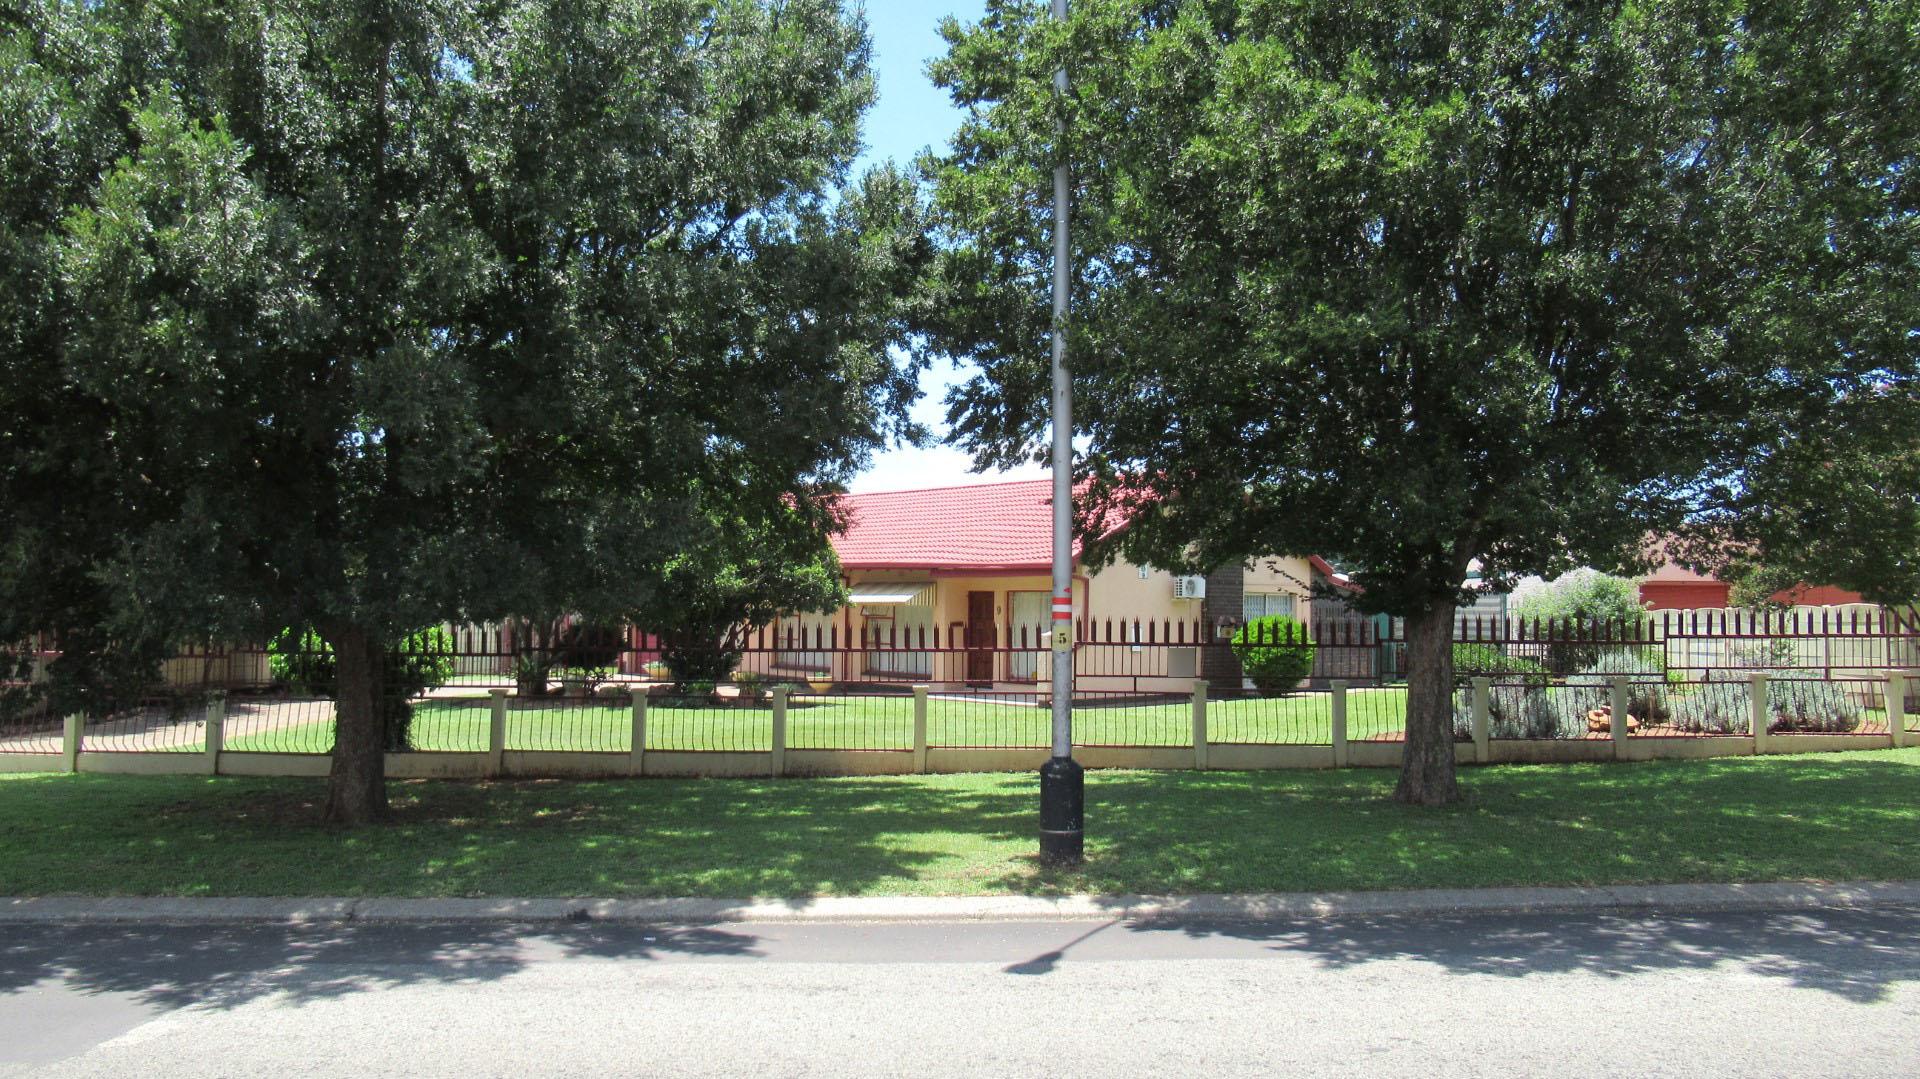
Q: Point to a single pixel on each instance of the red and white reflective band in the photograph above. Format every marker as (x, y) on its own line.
(1063, 608)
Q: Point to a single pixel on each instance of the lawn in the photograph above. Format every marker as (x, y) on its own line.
(842, 721)
(1836, 816)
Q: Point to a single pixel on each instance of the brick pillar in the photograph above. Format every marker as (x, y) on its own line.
(1226, 588)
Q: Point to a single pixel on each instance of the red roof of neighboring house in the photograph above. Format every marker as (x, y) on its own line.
(980, 527)
(1334, 577)
(1672, 586)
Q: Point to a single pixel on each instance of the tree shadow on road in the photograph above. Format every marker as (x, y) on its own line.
(1858, 955)
(221, 967)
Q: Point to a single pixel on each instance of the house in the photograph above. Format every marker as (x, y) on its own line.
(967, 570)
(1673, 587)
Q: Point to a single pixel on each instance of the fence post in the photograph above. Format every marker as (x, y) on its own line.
(70, 735)
(1897, 707)
(920, 728)
(497, 733)
(216, 729)
(1337, 721)
(1618, 728)
(637, 741)
(1483, 719)
(1759, 716)
(780, 729)
(1200, 724)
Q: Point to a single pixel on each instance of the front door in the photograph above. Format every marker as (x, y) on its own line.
(980, 637)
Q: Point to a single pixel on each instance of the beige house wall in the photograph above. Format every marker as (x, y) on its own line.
(1286, 575)
(1118, 598)
(1123, 594)
(949, 617)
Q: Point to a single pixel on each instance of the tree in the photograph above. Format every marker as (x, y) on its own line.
(1421, 282)
(62, 504)
(377, 315)
(299, 658)
(1834, 501)
(1584, 602)
(740, 574)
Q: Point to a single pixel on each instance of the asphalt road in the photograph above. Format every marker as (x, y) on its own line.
(1800, 994)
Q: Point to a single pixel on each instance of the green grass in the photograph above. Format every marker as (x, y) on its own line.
(856, 722)
(1835, 816)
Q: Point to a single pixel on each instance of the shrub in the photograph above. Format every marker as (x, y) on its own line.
(1796, 701)
(1476, 660)
(574, 648)
(1648, 699)
(587, 679)
(1523, 712)
(695, 694)
(1803, 701)
(1713, 708)
(421, 661)
(1582, 597)
(1275, 651)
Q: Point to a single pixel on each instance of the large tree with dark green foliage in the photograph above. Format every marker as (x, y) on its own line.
(742, 573)
(1418, 282)
(1834, 502)
(365, 316)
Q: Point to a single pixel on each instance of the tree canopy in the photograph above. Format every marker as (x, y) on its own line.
(368, 316)
(1420, 282)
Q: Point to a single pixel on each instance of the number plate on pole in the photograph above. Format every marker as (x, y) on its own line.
(1063, 637)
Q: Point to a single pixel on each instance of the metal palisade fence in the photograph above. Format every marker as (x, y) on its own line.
(838, 698)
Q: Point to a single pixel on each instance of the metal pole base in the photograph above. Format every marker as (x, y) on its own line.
(1063, 802)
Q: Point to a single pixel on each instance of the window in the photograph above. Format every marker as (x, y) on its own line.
(1032, 611)
(1261, 604)
(897, 639)
(801, 641)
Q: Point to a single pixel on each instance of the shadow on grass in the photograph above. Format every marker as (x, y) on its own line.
(781, 839)
(1816, 818)
(1812, 818)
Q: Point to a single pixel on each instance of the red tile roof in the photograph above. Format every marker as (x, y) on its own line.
(979, 527)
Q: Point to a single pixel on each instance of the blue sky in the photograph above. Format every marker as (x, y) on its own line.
(912, 114)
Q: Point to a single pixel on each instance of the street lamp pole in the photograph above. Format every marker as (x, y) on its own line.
(1062, 781)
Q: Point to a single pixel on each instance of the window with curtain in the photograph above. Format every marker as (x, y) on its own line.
(1261, 604)
(895, 641)
(1032, 613)
(797, 636)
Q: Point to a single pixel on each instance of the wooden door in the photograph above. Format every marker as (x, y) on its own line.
(980, 636)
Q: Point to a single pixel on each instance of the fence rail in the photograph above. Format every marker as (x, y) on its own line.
(1147, 694)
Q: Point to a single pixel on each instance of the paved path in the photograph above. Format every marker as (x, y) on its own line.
(1735, 993)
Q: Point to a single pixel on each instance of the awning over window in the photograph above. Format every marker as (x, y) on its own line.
(875, 594)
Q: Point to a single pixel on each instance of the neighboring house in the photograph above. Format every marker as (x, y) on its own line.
(1673, 587)
(971, 567)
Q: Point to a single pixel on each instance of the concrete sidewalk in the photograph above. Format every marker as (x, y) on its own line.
(1300, 905)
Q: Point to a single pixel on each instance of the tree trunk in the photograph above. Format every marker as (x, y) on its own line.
(357, 786)
(1426, 768)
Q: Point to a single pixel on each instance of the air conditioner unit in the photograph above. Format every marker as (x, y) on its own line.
(1189, 588)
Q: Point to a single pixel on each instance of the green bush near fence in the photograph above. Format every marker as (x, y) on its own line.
(1485, 660)
(303, 660)
(1275, 651)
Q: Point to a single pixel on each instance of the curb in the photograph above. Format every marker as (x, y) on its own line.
(1270, 907)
